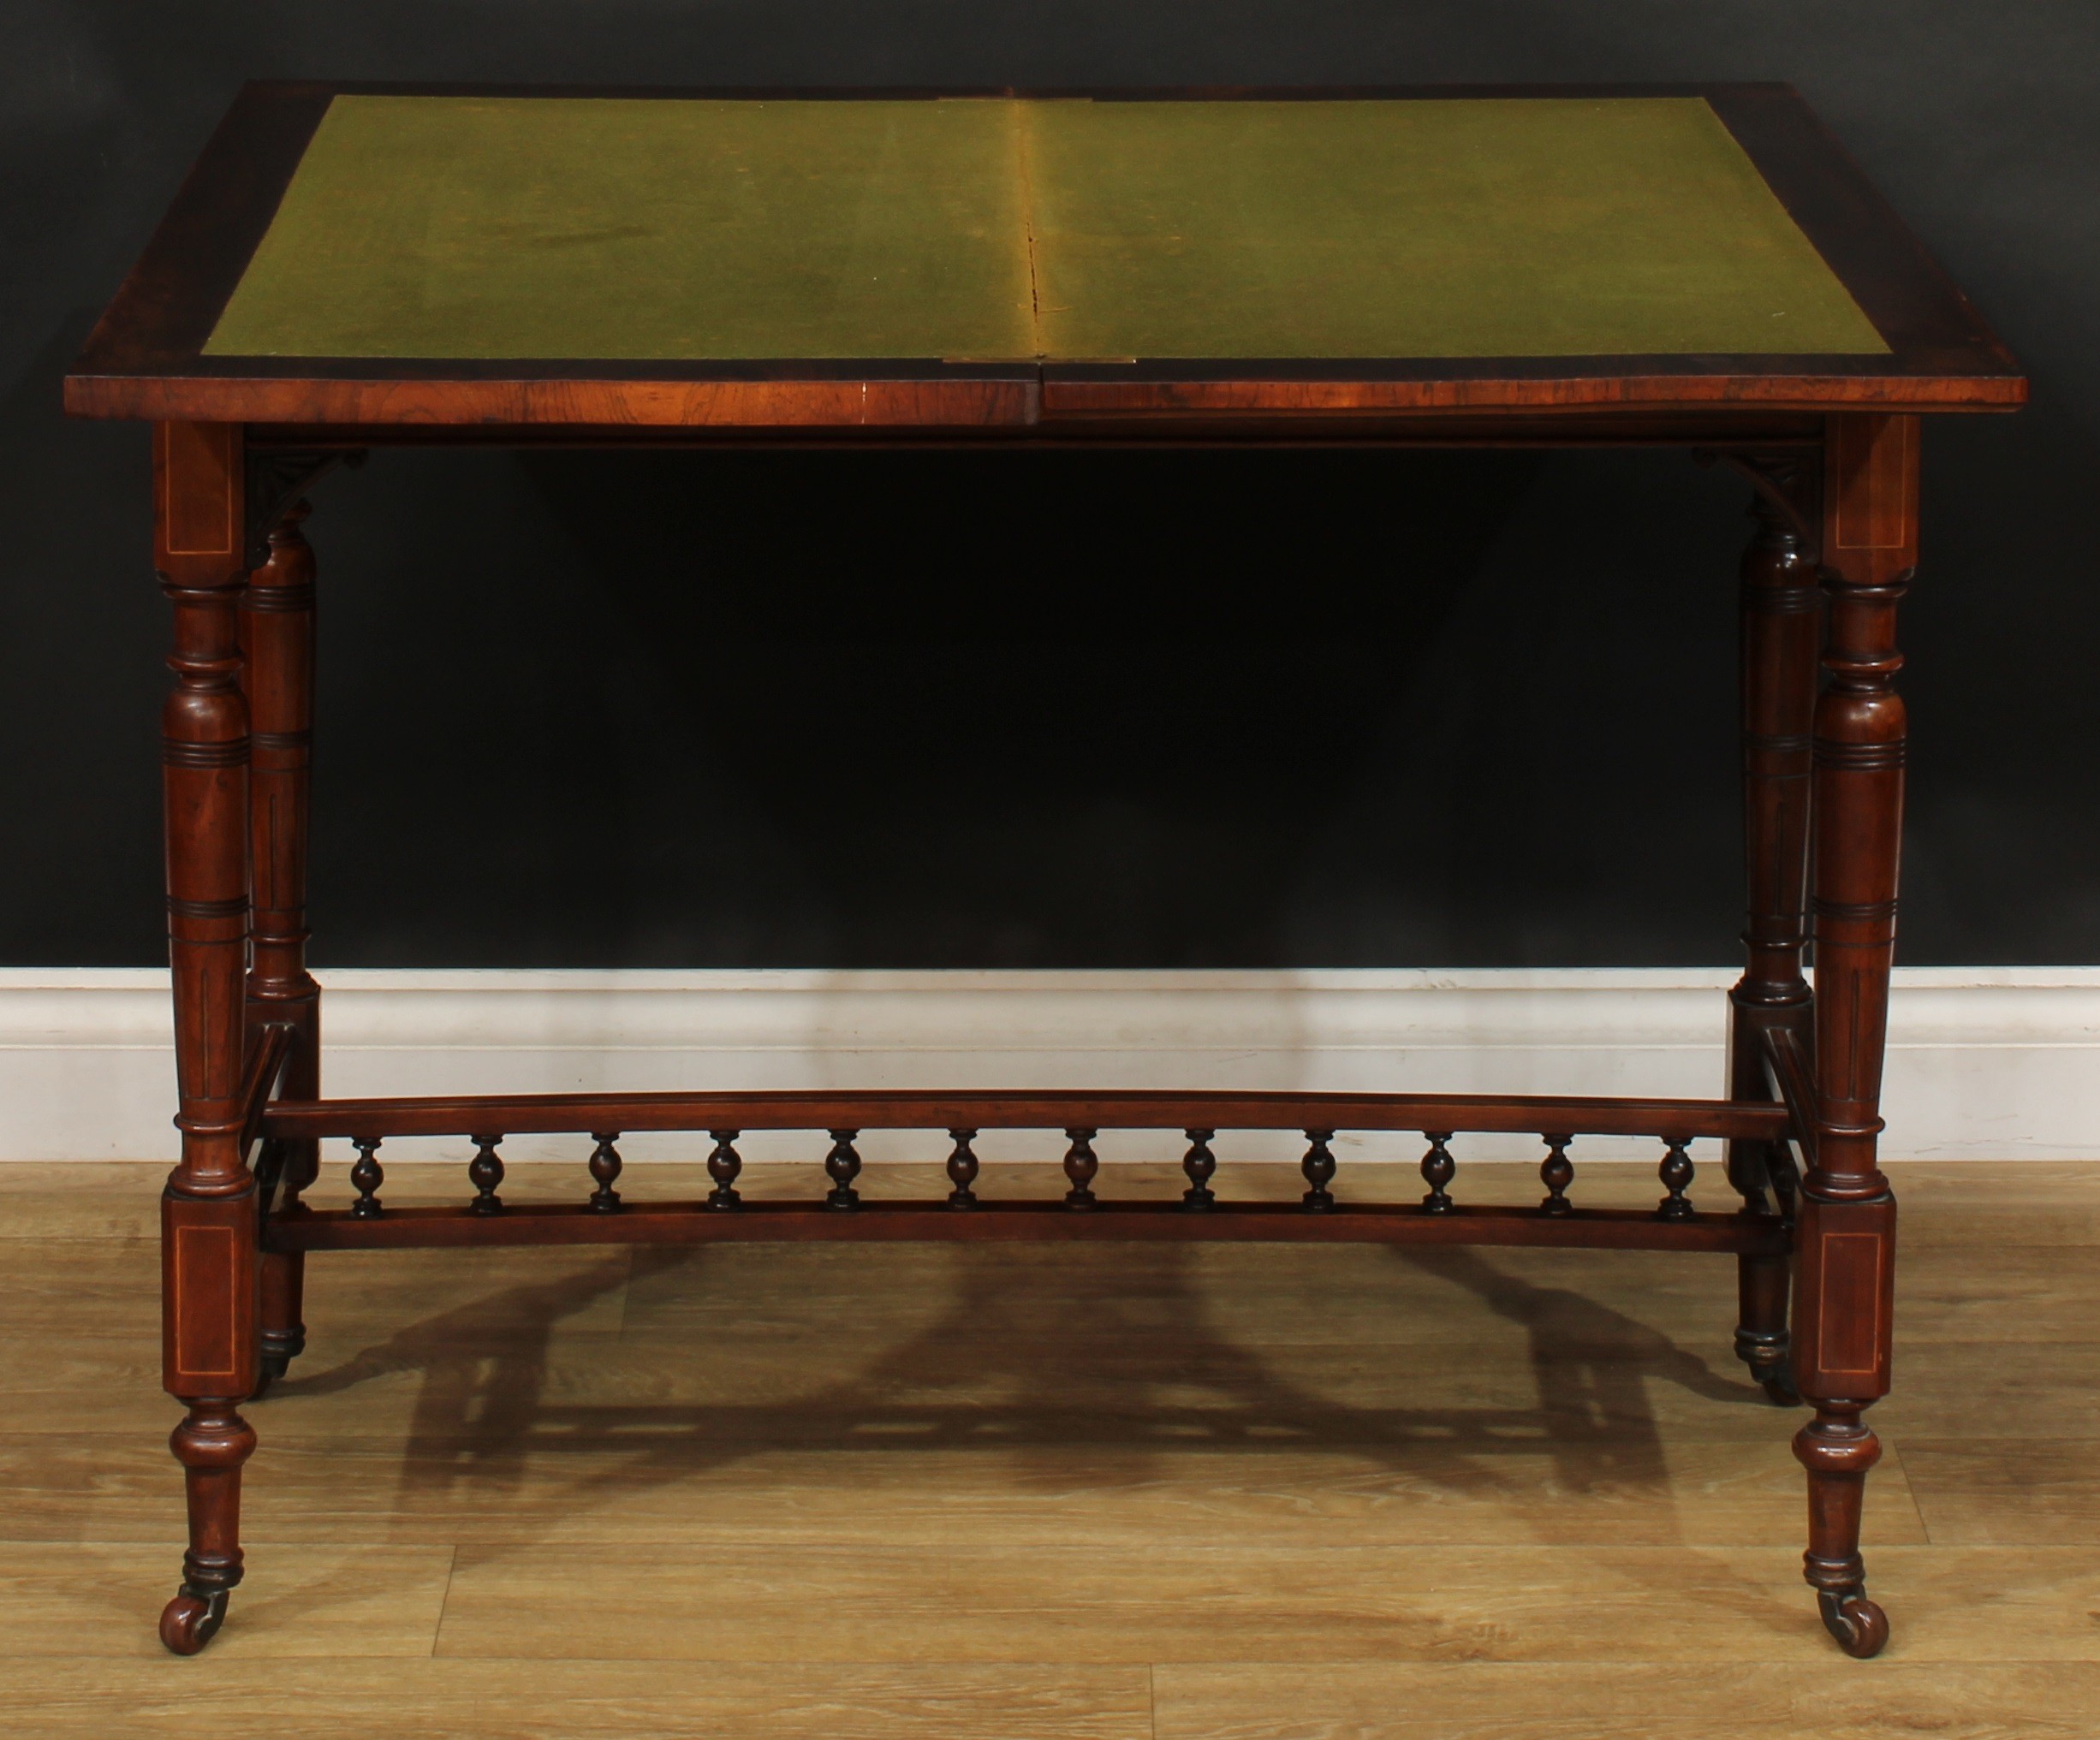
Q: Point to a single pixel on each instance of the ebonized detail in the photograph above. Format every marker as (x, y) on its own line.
(1676, 1174)
(1556, 1171)
(1080, 1166)
(365, 1178)
(486, 1172)
(962, 1170)
(1199, 1164)
(1438, 1169)
(276, 478)
(605, 1164)
(843, 1165)
(723, 1164)
(1319, 1166)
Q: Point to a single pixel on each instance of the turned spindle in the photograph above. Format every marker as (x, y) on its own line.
(1782, 618)
(1080, 1166)
(1199, 1163)
(605, 1170)
(211, 1278)
(723, 1164)
(1437, 1170)
(961, 1170)
(1319, 1166)
(843, 1165)
(276, 675)
(1676, 1174)
(1845, 1251)
(365, 1178)
(1556, 1171)
(486, 1172)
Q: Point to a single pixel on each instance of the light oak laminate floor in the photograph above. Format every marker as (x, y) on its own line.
(1204, 1493)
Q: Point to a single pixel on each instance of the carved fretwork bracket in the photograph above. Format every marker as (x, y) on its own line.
(1786, 481)
(277, 477)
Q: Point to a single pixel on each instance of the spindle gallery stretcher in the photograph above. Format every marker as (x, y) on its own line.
(350, 267)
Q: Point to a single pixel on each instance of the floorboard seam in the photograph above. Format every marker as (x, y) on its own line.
(1910, 1490)
(445, 1599)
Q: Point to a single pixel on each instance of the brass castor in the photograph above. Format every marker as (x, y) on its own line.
(1779, 1390)
(190, 1620)
(1859, 1626)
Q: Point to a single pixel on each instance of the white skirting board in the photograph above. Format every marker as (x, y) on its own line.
(1984, 1063)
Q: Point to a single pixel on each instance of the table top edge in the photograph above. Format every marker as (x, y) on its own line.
(145, 355)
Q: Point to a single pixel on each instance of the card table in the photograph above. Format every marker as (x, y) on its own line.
(353, 266)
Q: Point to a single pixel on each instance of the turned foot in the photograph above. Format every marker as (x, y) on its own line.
(1837, 1448)
(1770, 1360)
(190, 1620)
(1779, 1390)
(1859, 1626)
(211, 1443)
(1763, 1341)
(278, 1350)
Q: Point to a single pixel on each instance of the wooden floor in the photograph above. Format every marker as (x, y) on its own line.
(1060, 1491)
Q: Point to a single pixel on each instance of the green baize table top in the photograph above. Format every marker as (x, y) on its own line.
(991, 229)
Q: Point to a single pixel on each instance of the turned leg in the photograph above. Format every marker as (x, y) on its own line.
(277, 645)
(210, 1278)
(1845, 1269)
(1782, 633)
(1763, 1285)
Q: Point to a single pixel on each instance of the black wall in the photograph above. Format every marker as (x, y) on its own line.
(1056, 709)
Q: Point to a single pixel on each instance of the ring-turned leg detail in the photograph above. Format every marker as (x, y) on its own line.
(1837, 1448)
(1781, 639)
(211, 1275)
(1845, 1242)
(277, 640)
(211, 1444)
(1762, 1342)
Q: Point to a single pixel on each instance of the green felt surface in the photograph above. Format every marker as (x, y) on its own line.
(1525, 226)
(600, 227)
(523, 228)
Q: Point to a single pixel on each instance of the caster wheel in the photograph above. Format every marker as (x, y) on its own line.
(1779, 1390)
(272, 1367)
(190, 1621)
(1860, 1627)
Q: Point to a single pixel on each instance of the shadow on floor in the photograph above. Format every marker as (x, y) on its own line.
(1018, 1360)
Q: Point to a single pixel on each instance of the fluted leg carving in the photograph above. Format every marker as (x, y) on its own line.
(1782, 635)
(211, 1277)
(1845, 1268)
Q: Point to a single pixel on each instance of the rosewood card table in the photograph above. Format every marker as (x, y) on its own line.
(353, 266)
